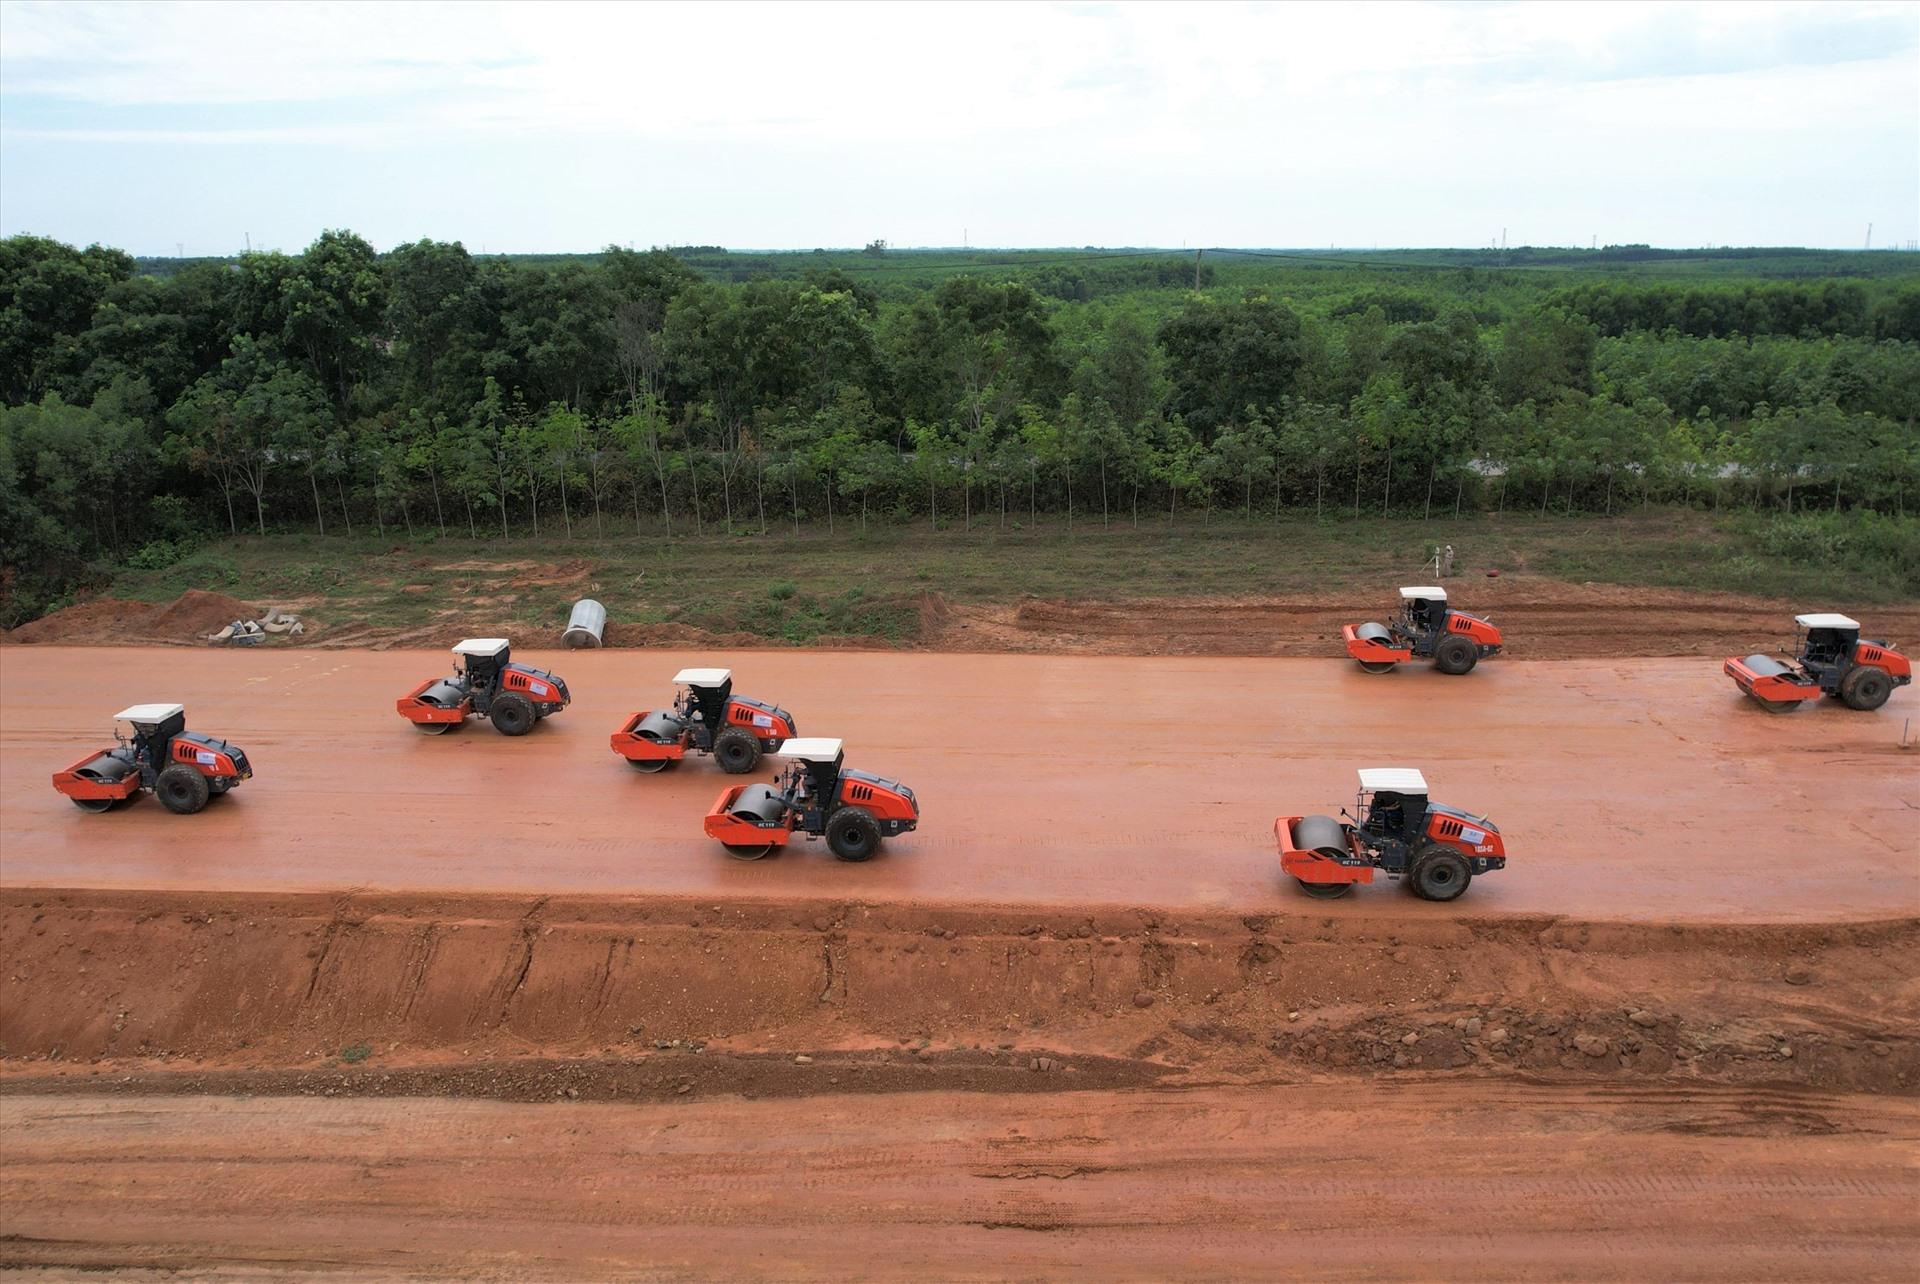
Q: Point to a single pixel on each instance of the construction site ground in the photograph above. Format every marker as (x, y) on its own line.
(404, 1006)
(1543, 618)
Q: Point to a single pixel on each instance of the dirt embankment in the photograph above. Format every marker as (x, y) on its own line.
(106, 621)
(1541, 619)
(607, 998)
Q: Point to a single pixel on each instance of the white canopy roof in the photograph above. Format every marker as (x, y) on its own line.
(480, 646)
(149, 713)
(1825, 622)
(703, 677)
(1433, 593)
(811, 748)
(1398, 780)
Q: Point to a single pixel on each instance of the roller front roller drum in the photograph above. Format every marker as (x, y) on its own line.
(1323, 834)
(1324, 891)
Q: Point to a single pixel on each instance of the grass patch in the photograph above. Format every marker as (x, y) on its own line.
(798, 588)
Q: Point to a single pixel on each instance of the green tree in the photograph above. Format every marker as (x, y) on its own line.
(1177, 463)
(1544, 352)
(230, 424)
(432, 302)
(936, 460)
(47, 290)
(1222, 358)
(334, 304)
(644, 435)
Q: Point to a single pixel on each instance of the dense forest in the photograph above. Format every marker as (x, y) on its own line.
(149, 405)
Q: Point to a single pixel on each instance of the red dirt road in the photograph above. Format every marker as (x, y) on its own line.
(1642, 789)
(1454, 1181)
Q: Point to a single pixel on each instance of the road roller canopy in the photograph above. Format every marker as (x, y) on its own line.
(811, 748)
(1826, 622)
(1394, 780)
(483, 647)
(148, 715)
(1429, 592)
(703, 677)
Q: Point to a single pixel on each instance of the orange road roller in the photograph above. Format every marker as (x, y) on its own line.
(485, 684)
(1830, 659)
(816, 795)
(183, 768)
(1425, 628)
(1394, 829)
(706, 717)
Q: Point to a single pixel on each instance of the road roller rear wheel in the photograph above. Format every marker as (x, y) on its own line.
(1440, 873)
(1455, 655)
(181, 789)
(513, 714)
(1866, 689)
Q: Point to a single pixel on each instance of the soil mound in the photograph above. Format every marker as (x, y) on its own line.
(196, 613)
(108, 621)
(102, 618)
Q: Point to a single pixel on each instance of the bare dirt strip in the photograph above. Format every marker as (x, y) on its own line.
(1421, 1181)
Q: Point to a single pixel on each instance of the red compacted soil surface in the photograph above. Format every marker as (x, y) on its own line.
(1646, 790)
(404, 1007)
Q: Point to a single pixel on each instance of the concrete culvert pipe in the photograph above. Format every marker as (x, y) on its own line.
(588, 625)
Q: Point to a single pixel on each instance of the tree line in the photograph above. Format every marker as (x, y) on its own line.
(427, 389)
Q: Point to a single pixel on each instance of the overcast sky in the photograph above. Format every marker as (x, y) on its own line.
(559, 126)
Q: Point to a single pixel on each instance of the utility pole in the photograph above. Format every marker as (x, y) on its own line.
(1869, 236)
(1196, 270)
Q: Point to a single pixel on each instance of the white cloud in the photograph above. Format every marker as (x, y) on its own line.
(1074, 115)
(924, 71)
